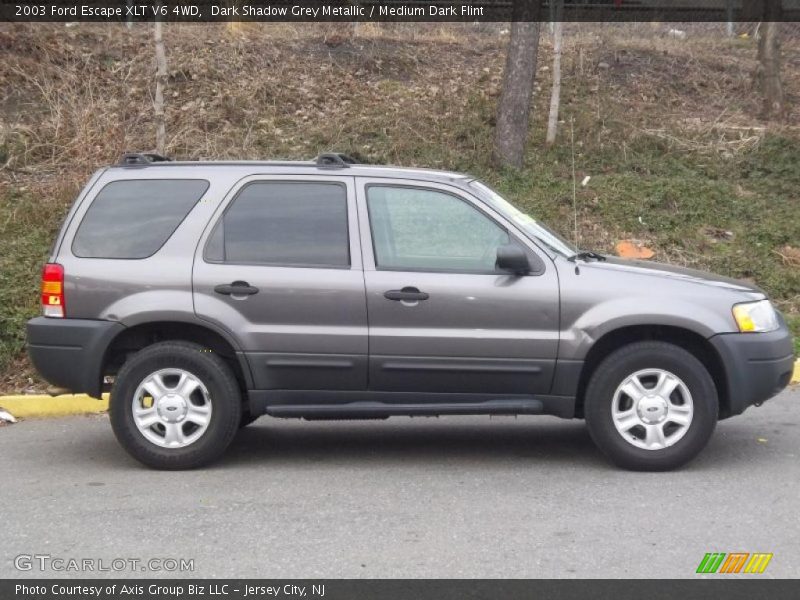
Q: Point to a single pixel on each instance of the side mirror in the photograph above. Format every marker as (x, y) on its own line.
(513, 258)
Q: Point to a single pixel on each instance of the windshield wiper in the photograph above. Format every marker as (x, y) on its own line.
(586, 255)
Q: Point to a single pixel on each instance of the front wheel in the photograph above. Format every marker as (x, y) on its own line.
(651, 406)
(175, 405)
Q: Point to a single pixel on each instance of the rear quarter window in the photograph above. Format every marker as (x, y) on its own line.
(289, 224)
(134, 218)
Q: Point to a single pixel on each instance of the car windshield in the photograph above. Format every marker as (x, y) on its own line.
(525, 222)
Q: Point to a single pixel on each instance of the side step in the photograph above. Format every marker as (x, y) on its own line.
(380, 410)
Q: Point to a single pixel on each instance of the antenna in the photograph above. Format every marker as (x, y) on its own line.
(574, 183)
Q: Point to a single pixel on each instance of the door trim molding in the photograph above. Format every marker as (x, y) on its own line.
(469, 367)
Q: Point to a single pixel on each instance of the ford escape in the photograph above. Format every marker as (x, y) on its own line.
(211, 293)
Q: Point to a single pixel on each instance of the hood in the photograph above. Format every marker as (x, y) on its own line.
(656, 269)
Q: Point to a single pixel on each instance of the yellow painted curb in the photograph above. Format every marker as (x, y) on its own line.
(40, 407)
(796, 375)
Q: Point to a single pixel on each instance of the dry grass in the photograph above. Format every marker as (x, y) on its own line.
(83, 94)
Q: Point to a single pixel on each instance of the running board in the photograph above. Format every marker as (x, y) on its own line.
(379, 410)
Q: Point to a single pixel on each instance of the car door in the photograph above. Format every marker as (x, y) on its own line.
(279, 270)
(442, 318)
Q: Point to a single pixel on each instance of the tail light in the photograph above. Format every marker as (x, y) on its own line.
(53, 290)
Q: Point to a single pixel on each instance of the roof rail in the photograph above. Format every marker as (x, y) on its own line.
(335, 160)
(142, 158)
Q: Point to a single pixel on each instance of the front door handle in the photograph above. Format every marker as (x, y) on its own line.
(237, 288)
(407, 294)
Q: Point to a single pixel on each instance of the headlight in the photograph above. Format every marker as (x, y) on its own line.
(755, 316)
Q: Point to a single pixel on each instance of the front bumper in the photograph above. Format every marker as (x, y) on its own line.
(757, 366)
(69, 353)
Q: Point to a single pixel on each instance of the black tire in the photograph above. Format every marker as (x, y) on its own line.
(208, 368)
(626, 361)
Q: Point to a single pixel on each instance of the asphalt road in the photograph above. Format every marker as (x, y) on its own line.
(449, 497)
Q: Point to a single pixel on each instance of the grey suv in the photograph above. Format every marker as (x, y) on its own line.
(211, 293)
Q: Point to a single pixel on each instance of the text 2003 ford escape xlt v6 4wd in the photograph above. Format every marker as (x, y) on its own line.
(217, 292)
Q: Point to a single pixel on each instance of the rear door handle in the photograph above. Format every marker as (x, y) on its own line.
(409, 294)
(237, 288)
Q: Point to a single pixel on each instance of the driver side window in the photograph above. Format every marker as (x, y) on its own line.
(419, 229)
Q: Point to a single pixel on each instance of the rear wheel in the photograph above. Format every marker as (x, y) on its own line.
(651, 406)
(175, 405)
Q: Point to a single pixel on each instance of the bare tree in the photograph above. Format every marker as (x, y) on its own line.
(555, 95)
(729, 6)
(513, 112)
(161, 82)
(768, 74)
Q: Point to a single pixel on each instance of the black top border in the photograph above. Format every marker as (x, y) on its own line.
(196, 11)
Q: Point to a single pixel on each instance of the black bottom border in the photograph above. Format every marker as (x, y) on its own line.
(727, 587)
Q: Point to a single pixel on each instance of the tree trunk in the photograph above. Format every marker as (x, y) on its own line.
(233, 27)
(729, 12)
(769, 71)
(555, 95)
(513, 111)
(161, 82)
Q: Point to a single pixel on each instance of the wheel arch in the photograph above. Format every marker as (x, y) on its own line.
(143, 334)
(687, 339)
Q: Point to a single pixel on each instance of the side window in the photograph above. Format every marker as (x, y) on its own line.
(134, 218)
(427, 230)
(284, 224)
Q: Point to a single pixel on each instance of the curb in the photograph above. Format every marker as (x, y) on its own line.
(43, 406)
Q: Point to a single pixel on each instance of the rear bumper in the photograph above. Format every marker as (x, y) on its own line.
(757, 366)
(69, 353)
